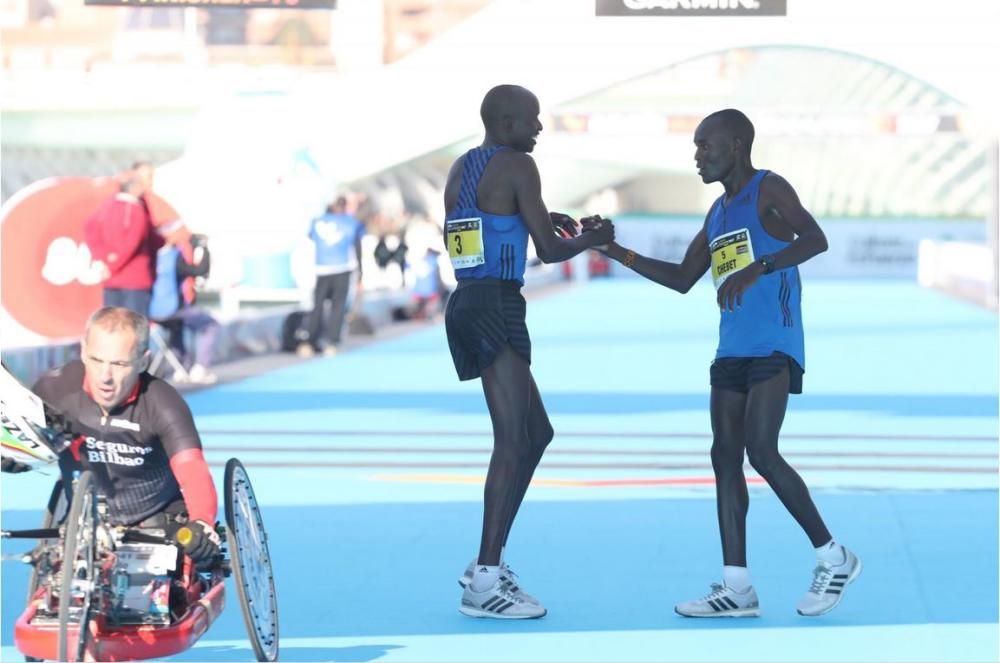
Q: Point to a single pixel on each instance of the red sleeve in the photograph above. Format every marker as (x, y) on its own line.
(191, 471)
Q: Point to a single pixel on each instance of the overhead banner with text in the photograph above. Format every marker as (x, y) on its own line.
(692, 7)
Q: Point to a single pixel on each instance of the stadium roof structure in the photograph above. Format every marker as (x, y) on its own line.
(857, 137)
(868, 108)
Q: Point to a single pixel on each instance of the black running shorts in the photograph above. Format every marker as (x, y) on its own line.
(483, 316)
(741, 373)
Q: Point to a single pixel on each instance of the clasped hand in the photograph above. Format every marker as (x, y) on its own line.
(604, 228)
(730, 296)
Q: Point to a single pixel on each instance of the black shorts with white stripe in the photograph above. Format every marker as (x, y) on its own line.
(483, 316)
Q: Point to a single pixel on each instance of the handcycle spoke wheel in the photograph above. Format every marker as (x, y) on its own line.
(54, 512)
(251, 562)
(79, 572)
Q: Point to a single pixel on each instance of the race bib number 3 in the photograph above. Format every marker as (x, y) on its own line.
(730, 253)
(465, 242)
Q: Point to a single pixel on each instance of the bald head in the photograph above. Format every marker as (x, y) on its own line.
(510, 116)
(734, 124)
(723, 141)
(503, 100)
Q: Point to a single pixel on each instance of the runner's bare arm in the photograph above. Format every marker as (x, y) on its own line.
(679, 277)
(528, 194)
(783, 216)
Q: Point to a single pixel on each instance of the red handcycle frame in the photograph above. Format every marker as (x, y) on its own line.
(204, 592)
(127, 642)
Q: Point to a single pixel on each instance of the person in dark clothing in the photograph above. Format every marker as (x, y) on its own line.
(133, 431)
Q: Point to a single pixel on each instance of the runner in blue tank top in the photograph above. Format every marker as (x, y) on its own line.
(754, 237)
(493, 203)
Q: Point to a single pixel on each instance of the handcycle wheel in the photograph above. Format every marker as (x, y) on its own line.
(78, 566)
(54, 511)
(251, 562)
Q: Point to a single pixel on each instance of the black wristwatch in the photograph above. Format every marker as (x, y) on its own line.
(767, 262)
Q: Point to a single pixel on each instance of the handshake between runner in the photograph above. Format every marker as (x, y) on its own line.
(567, 227)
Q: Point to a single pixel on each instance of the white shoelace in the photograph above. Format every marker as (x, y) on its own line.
(821, 579)
(717, 591)
(509, 578)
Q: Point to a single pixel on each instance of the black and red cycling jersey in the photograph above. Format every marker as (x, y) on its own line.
(145, 453)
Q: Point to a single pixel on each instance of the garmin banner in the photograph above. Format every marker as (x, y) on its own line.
(692, 7)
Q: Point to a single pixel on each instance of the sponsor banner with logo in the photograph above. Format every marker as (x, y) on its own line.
(692, 7)
(859, 248)
(50, 282)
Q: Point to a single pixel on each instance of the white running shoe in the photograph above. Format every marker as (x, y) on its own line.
(507, 576)
(498, 602)
(722, 602)
(828, 585)
(201, 375)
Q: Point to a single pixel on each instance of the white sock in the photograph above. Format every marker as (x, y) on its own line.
(502, 551)
(831, 553)
(736, 578)
(484, 577)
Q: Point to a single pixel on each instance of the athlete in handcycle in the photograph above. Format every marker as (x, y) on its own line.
(130, 564)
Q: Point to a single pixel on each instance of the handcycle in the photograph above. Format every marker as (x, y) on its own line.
(108, 593)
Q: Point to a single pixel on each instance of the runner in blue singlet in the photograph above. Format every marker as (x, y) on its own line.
(493, 203)
(754, 237)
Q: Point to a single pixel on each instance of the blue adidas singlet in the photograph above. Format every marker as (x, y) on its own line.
(770, 318)
(483, 245)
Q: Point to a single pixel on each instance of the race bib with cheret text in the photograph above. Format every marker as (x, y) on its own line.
(730, 253)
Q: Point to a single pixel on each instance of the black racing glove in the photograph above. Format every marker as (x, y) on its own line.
(199, 540)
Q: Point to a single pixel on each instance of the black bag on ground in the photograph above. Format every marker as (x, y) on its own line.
(293, 330)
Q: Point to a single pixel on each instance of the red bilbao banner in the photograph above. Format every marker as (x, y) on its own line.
(50, 283)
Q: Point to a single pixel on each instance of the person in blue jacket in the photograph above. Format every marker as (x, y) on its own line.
(337, 237)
